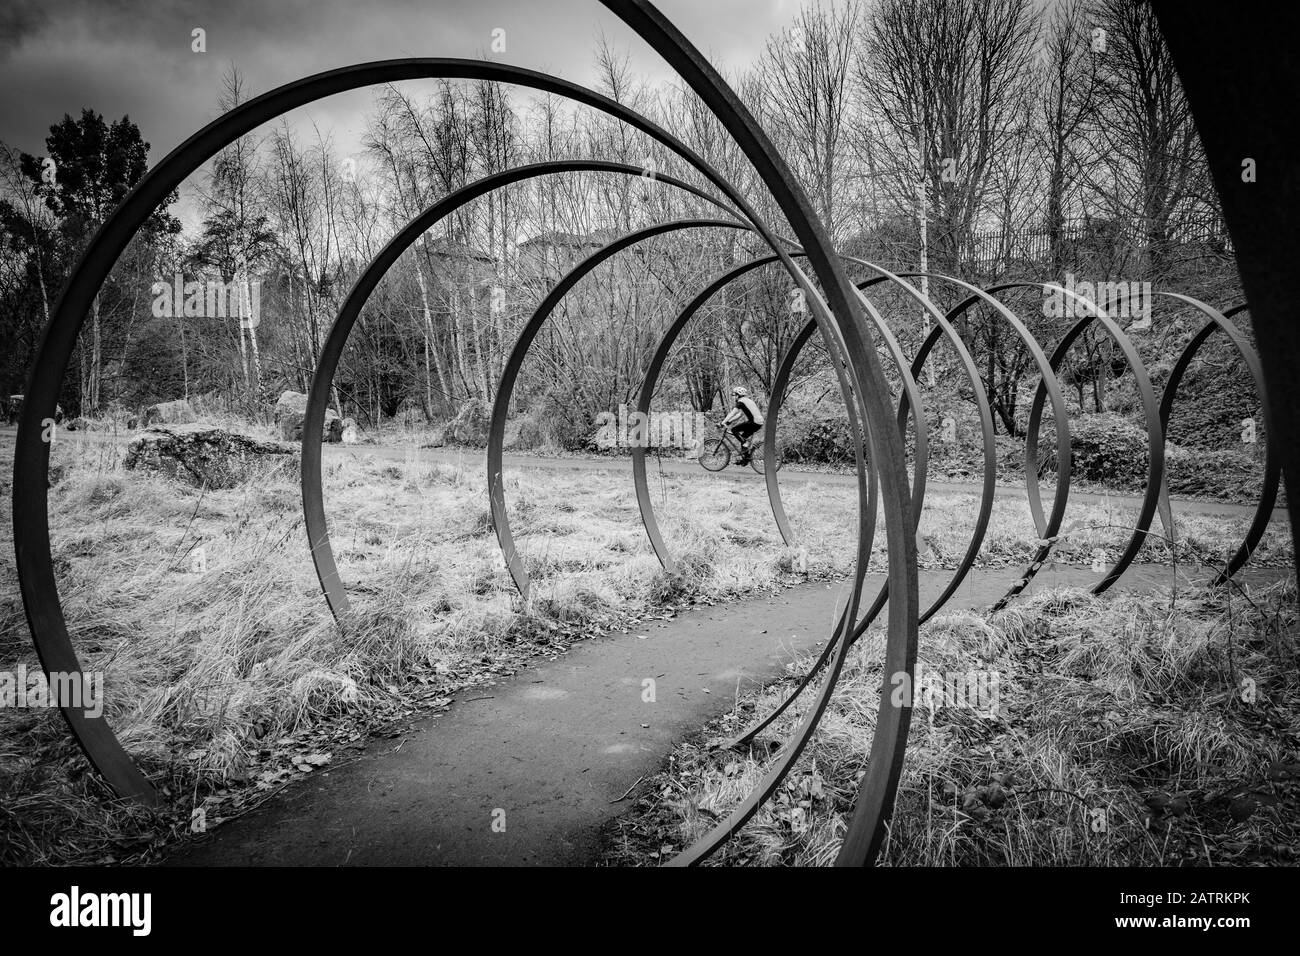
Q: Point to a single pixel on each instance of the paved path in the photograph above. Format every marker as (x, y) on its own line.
(475, 459)
(553, 749)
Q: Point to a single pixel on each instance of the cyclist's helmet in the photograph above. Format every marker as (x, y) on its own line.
(738, 391)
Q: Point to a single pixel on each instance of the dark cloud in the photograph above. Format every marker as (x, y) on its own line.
(20, 19)
(134, 56)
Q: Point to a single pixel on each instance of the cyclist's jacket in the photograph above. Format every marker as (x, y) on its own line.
(746, 410)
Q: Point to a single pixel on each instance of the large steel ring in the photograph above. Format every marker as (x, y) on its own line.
(848, 322)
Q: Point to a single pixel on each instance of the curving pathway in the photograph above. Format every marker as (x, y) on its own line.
(556, 746)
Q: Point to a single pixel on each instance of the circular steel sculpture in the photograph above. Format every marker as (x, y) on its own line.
(506, 387)
(842, 312)
(1047, 527)
(1272, 467)
(332, 352)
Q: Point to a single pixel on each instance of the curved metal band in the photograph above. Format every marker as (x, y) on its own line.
(1048, 381)
(942, 327)
(1155, 433)
(840, 319)
(772, 779)
(1262, 514)
(1272, 467)
(650, 379)
(31, 465)
(910, 397)
(989, 486)
(875, 799)
(655, 369)
(322, 551)
(505, 388)
(31, 456)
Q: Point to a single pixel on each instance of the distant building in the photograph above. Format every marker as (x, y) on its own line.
(544, 258)
(462, 272)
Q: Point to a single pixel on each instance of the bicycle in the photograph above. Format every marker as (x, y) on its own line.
(715, 453)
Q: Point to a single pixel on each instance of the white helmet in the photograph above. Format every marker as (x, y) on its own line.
(739, 390)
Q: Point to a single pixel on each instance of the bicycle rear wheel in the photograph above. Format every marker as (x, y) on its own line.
(715, 455)
(757, 459)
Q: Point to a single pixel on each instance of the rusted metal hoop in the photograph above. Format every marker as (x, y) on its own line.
(1272, 467)
(1155, 434)
(840, 312)
(505, 388)
(322, 551)
(654, 369)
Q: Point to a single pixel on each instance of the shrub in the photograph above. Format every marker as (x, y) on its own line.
(530, 432)
(1226, 473)
(813, 437)
(572, 424)
(470, 426)
(1108, 450)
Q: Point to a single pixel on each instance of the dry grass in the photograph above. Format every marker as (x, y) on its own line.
(223, 677)
(1120, 737)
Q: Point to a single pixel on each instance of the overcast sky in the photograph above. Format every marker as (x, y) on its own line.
(134, 56)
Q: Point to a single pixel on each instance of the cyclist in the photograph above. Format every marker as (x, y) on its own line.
(743, 420)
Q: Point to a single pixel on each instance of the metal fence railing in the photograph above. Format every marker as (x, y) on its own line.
(996, 249)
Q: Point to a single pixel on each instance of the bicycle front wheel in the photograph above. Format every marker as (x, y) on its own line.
(758, 460)
(715, 455)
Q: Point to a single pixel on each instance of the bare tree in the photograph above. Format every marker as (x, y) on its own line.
(944, 84)
(1067, 105)
(1151, 163)
(804, 76)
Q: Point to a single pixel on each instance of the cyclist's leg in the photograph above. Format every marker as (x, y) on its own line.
(738, 434)
(745, 432)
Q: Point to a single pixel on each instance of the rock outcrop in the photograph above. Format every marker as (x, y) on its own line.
(291, 411)
(205, 455)
(168, 413)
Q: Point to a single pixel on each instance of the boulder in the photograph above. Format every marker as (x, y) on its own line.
(168, 413)
(291, 411)
(470, 426)
(204, 455)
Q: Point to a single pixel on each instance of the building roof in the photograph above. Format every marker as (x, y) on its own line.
(556, 239)
(450, 249)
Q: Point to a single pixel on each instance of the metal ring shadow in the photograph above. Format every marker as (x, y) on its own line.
(33, 558)
(1272, 467)
(322, 551)
(505, 388)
